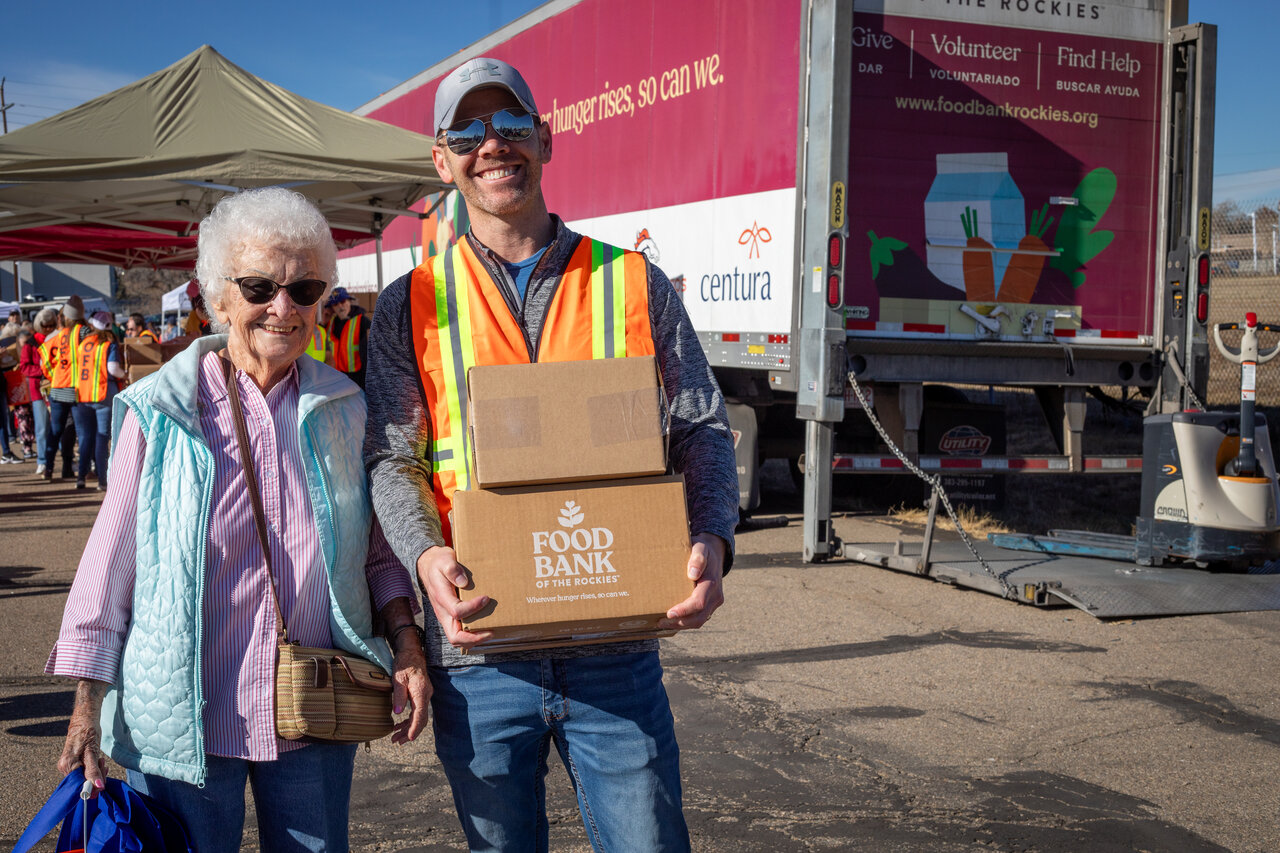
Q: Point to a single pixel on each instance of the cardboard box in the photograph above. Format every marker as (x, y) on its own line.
(566, 422)
(570, 564)
(138, 371)
(142, 351)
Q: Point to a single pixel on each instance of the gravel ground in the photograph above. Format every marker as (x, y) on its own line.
(826, 707)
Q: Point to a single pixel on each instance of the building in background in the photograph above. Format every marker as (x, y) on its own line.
(38, 282)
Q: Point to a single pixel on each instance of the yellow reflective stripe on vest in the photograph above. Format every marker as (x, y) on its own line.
(457, 355)
(319, 343)
(608, 302)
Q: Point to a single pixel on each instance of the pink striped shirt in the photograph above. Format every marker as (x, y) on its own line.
(238, 651)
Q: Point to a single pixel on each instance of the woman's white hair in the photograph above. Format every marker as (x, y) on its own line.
(46, 318)
(270, 216)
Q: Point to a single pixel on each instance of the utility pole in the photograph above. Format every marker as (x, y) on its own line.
(4, 107)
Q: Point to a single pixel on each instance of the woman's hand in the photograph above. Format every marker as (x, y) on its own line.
(83, 746)
(410, 684)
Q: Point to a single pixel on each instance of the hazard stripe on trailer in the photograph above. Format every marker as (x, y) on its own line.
(868, 463)
(874, 329)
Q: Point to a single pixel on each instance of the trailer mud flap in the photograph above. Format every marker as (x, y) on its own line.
(1107, 589)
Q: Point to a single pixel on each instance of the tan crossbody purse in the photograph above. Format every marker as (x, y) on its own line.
(324, 695)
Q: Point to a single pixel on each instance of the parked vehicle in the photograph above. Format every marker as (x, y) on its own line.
(905, 192)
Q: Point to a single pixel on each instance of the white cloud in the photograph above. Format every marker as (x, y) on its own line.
(1249, 189)
(46, 87)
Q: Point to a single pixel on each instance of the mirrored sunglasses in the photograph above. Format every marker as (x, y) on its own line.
(513, 125)
(259, 291)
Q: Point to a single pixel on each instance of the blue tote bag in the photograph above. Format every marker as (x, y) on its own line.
(117, 820)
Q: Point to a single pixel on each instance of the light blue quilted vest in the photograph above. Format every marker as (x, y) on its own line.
(151, 717)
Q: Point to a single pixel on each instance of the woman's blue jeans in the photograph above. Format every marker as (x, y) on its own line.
(302, 800)
(93, 431)
(59, 414)
(610, 720)
(40, 411)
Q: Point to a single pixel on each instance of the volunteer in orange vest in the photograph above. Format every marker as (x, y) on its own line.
(521, 287)
(349, 331)
(318, 347)
(99, 375)
(136, 327)
(58, 353)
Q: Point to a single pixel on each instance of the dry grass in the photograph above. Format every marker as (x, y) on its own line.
(977, 523)
(1230, 297)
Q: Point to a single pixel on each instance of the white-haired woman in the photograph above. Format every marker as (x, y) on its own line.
(170, 617)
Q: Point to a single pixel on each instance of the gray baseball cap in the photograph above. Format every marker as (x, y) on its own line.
(478, 73)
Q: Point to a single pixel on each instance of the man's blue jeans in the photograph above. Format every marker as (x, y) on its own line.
(610, 720)
(302, 800)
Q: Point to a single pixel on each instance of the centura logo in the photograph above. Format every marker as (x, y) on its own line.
(755, 235)
(964, 440)
(575, 554)
(752, 284)
(646, 244)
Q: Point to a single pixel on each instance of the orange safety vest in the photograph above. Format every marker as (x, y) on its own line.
(346, 345)
(57, 355)
(147, 333)
(459, 319)
(91, 370)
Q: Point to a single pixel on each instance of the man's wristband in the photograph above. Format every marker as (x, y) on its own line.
(412, 626)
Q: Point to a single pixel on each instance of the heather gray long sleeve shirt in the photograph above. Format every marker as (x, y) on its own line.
(397, 449)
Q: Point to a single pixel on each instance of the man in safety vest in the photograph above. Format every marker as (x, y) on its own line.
(136, 327)
(349, 331)
(518, 288)
(58, 358)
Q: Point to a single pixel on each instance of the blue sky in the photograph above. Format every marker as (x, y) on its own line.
(57, 55)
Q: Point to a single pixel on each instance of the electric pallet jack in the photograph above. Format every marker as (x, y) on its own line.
(1209, 490)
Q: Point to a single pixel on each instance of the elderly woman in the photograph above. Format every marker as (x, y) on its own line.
(170, 625)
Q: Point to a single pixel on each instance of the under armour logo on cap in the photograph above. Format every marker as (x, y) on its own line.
(474, 74)
(464, 73)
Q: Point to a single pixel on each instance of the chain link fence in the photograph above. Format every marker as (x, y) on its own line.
(1244, 276)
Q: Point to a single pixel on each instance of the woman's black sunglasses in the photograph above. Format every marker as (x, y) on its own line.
(513, 125)
(259, 291)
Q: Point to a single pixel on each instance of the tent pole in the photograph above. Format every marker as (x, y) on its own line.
(377, 237)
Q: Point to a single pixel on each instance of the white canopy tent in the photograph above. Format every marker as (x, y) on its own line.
(175, 300)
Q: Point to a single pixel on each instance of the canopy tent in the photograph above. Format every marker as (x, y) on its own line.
(176, 300)
(126, 178)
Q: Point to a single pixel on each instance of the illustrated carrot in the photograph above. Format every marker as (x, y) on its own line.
(979, 269)
(1023, 273)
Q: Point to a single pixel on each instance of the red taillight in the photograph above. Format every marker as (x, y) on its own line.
(1202, 307)
(1202, 270)
(730, 337)
(833, 290)
(835, 251)
(1251, 319)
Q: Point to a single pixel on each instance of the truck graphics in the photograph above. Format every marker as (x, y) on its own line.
(1060, 218)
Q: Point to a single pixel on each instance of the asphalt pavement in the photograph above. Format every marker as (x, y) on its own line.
(831, 706)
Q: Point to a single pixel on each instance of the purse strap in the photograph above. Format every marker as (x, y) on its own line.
(251, 483)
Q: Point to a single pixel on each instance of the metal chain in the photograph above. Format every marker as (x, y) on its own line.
(934, 481)
(1182, 377)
